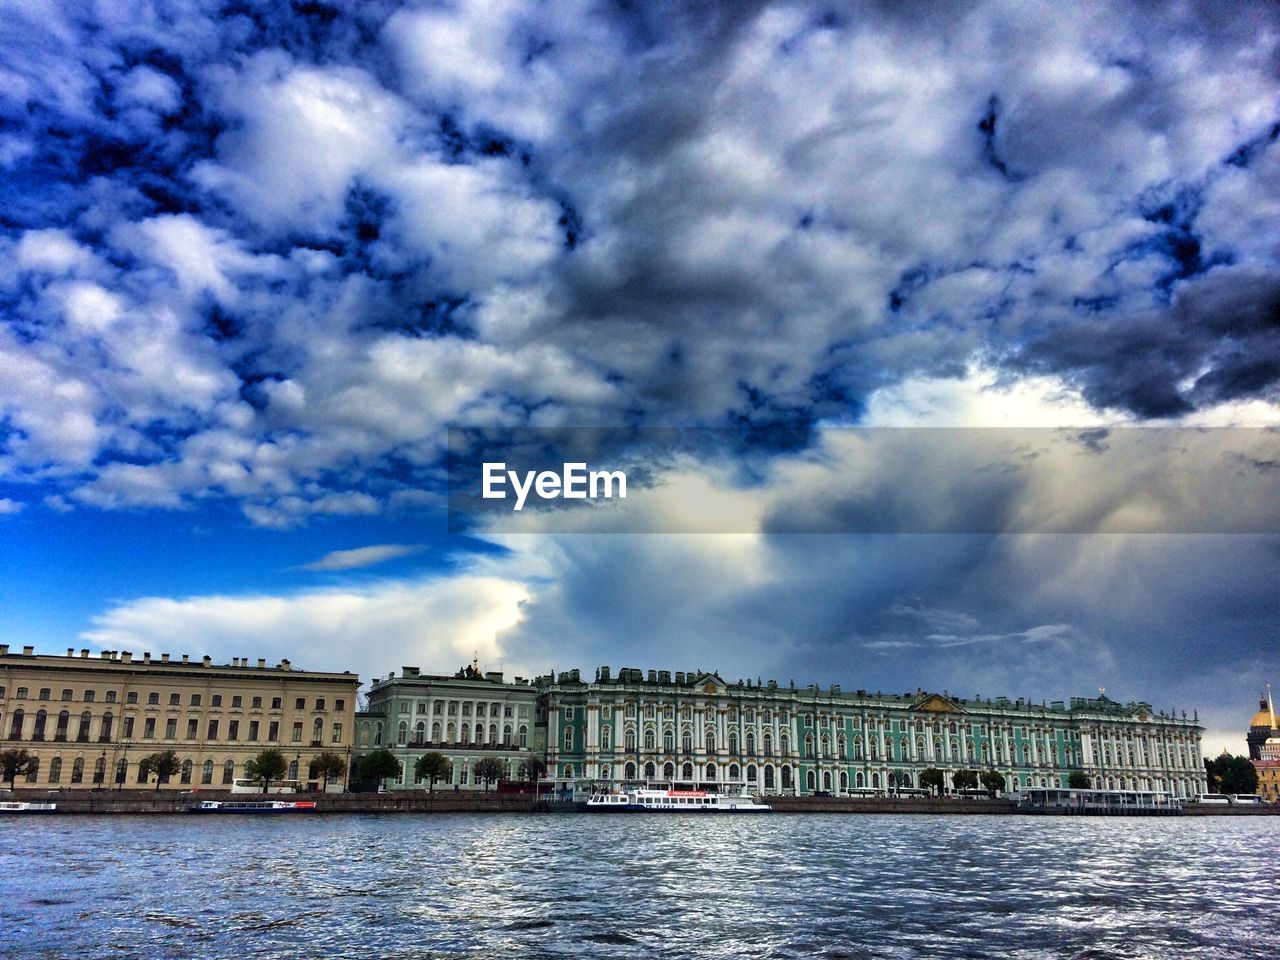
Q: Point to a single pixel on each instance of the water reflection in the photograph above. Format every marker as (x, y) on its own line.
(580, 885)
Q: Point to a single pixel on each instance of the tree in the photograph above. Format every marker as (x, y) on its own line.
(14, 763)
(267, 766)
(328, 766)
(431, 767)
(489, 769)
(964, 780)
(994, 782)
(163, 764)
(1078, 780)
(933, 779)
(378, 765)
(1228, 774)
(532, 770)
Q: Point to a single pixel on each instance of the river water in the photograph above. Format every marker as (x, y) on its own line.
(581, 885)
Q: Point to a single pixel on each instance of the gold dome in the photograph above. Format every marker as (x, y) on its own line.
(1261, 719)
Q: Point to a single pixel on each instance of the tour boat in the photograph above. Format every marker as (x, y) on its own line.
(252, 806)
(24, 806)
(638, 800)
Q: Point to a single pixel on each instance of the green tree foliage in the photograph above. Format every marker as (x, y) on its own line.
(1229, 774)
(378, 765)
(1078, 780)
(163, 764)
(964, 780)
(267, 766)
(933, 779)
(489, 770)
(328, 766)
(431, 767)
(14, 763)
(994, 782)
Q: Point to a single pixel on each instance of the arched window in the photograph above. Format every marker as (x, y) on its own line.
(844, 781)
(37, 733)
(317, 731)
(435, 732)
(524, 735)
(77, 770)
(493, 732)
(419, 732)
(751, 773)
(768, 743)
(784, 744)
(630, 739)
(377, 735)
(810, 781)
(686, 741)
(185, 776)
(402, 733)
(668, 741)
(104, 731)
(451, 734)
(686, 772)
(786, 778)
(206, 772)
(733, 744)
(711, 771)
(55, 770)
(122, 770)
(843, 746)
(605, 733)
(875, 781)
(568, 739)
(668, 771)
(229, 772)
(293, 770)
(768, 776)
(15, 728)
(64, 721)
(506, 734)
(82, 735)
(33, 770)
(751, 744)
(630, 771)
(826, 780)
(479, 733)
(649, 770)
(466, 732)
(733, 772)
(100, 771)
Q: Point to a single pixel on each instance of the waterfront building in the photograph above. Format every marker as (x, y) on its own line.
(1264, 748)
(467, 716)
(693, 727)
(89, 720)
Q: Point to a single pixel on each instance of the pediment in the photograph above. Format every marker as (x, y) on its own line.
(936, 703)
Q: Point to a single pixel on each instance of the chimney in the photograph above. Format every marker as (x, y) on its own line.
(84, 653)
(105, 655)
(207, 660)
(28, 651)
(261, 663)
(284, 664)
(186, 658)
(164, 658)
(4, 649)
(146, 657)
(71, 651)
(126, 657)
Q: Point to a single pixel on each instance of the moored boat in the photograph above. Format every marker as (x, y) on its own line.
(643, 800)
(252, 806)
(25, 806)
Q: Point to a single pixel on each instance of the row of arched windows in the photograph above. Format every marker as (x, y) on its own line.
(61, 729)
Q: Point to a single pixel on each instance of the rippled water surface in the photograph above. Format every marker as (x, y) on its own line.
(579, 885)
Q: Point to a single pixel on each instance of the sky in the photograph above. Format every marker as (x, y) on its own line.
(256, 260)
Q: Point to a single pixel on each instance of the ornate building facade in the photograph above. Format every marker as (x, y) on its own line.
(467, 716)
(88, 721)
(1264, 748)
(695, 728)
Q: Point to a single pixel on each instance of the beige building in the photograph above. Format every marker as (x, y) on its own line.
(89, 720)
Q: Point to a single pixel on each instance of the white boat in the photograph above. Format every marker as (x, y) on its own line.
(643, 800)
(24, 806)
(252, 806)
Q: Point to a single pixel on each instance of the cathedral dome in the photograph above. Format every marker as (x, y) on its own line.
(1261, 719)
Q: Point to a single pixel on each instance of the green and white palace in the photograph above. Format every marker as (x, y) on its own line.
(694, 728)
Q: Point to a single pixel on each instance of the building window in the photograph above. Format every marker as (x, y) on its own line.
(341, 705)
(276, 702)
(111, 696)
(337, 733)
(148, 731)
(195, 700)
(217, 700)
(273, 731)
(257, 703)
(317, 732)
(237, 703)
(568, 739)
(55, 770)
(100, 770)
(20, 693)
(300, 703)
(66, 695)
(37, 733)
(122, 770)
(131, 697)
(127, 728)
(171, 728)
(253, 730)
(206, 772)
(104, 730)
(89, 696)
(233, 729)
(212, 730)
(153, 699)
(293, 769)
(82, 735)
(143, 773)
(186, 771)
(524, 736)
(402, 733)
(77, 770)
(175, 699)
(45, 693)
(229, 772)
(320, 704)
(192, 727)
(297, 732)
